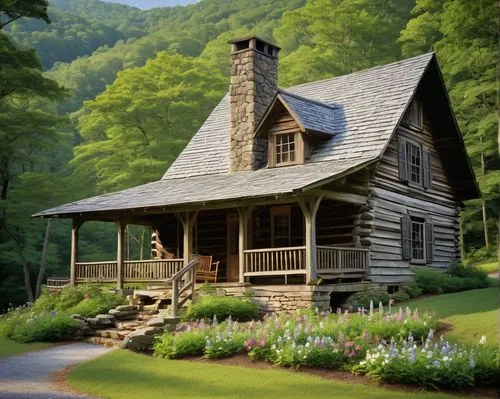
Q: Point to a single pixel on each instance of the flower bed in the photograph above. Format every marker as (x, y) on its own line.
(388, 346)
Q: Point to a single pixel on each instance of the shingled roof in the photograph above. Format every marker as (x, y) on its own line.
(361, 111)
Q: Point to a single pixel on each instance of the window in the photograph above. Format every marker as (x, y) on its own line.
(413, 115)
(417, 238)
(280, 227)
(414, 162)
(285, 149)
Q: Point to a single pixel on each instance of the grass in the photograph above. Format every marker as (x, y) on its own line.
(472, 313)
(123, 374)
(488, 267)
(10, 348)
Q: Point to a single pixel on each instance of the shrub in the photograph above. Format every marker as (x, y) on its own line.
(432, 281)
(222, 308)
(362, 299)
(411, 288)
(178, 345)
(28, 326)
(86, 300)
(225, 344)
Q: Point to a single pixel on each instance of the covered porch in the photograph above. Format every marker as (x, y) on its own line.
(282, 241)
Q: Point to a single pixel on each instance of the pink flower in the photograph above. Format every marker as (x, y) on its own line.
(348, 344)
(358, 347)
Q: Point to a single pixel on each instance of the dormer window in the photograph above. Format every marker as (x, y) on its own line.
(285, 149)
(413, 116)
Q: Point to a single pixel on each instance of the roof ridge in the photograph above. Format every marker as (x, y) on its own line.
(320, 103)
(429, 54)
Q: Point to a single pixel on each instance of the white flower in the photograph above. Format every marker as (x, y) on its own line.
(482, 341)
(446, 358)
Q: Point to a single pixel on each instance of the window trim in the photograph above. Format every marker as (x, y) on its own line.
(428, 244)
(299, 150)
(422, 222)
(408, 163)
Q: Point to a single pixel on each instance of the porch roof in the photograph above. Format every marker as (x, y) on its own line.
(212, 188)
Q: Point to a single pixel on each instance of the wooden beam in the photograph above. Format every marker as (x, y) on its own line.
(120, 245)
(244, 213)
(188, 219)
(309, 208)
(77, 223)
(338, 196)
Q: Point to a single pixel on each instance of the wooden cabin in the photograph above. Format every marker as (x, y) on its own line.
(298, 193)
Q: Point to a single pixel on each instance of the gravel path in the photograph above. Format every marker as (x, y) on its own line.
(26, 376)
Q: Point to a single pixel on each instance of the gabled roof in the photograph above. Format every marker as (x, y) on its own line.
(368, 104)
(310, 115)
(361, 111)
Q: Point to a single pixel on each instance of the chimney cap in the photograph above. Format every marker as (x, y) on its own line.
(256, 38)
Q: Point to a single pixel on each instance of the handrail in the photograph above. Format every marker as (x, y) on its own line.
(249, 251)
(343, 248)
(183, 271)
(178, 290)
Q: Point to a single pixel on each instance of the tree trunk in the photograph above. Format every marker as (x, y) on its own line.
(43, 263)
(27, 281)
(461, 232)
(483, 203)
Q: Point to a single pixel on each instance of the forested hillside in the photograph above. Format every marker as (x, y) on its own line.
(139, 83)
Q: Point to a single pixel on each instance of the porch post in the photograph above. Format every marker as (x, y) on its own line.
(188, 219)
(309, 209)
(74, 249)
(120, 245)
(244, 213)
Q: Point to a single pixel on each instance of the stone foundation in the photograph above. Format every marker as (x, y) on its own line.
(287, 298)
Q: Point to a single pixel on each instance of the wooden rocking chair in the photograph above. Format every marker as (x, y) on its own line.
(206, 270)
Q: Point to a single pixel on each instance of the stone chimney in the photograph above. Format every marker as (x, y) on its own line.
(254, 79)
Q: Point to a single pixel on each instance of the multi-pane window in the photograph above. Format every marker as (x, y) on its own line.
(281, 227)
(414, 162)
(285, 148)
(417, 239)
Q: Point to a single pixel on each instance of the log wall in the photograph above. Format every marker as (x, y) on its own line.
(390, 198)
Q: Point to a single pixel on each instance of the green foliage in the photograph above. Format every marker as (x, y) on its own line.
(362, 298)
(189, 343)
(29, 326)
(85, 300)
(436, 364)
(411, 288)
(433, 281)
(221, 307)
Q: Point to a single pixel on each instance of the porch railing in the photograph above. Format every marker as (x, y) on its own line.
(151, 270)
(275, 261)
(337, 260)
(96, 271)
(133, 271)
(57, 283)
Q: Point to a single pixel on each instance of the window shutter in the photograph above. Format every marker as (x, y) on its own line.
(403, 165)
(427, 168)
(406, 236)
(429, 239)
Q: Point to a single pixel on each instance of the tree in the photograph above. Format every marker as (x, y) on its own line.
(12, 10)
(328, 38)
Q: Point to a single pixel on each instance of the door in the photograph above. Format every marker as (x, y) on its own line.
(233, 261)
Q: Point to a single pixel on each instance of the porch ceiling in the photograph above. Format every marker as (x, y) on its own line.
(201, 190)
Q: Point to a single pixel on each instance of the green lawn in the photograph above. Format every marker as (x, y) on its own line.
(472, 313)
(10, 348)
(123, 374)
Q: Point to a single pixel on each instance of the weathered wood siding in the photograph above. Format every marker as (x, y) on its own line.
(390, 198)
